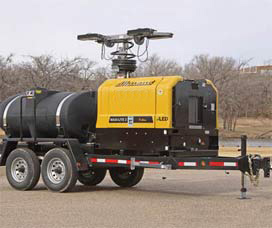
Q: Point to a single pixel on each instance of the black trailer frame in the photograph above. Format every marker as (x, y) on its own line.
(86, 156)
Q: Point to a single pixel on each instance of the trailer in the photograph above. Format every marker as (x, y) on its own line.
(128, 125)
(70, 161)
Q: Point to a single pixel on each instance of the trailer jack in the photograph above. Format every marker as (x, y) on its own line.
(254, 164)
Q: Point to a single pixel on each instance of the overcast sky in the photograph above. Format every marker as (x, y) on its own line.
(237, 28)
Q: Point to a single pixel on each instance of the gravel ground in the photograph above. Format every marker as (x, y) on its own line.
(184, 199)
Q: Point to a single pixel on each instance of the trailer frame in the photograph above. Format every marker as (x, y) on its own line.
(247, 164)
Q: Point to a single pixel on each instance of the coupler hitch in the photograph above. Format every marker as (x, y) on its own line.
(250, 165)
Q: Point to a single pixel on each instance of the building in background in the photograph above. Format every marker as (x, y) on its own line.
(264, 69)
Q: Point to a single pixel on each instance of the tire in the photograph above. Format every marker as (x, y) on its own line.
(59, 172)
(125, 177)
(23, 169)
(92, 177)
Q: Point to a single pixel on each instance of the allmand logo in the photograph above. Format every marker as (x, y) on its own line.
(131, 83)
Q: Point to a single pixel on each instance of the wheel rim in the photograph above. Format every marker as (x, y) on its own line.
(19, 169)
(56, 170)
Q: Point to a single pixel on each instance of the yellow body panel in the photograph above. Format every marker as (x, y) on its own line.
(164, 101)
(144, 98)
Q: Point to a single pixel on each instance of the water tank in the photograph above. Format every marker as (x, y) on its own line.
(43, 113)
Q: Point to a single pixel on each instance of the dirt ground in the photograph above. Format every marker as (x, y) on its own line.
(184, 199)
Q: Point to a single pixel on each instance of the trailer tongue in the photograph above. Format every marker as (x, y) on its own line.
(249, 165)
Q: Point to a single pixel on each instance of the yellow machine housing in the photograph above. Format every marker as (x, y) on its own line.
(148, 101)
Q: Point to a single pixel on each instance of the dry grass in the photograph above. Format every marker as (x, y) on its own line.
(253, 128)
(233, 151)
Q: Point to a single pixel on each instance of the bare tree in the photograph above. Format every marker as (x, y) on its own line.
(241, 95)
(232, 86)
(156, 66)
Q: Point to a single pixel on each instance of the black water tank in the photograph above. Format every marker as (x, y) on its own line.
(58, 114)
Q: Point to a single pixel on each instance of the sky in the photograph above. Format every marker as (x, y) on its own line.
(241, 29)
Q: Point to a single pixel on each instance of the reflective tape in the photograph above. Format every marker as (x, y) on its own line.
(188, 164)
(223, 164)
(121, 161)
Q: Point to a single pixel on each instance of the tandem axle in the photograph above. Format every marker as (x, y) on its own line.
(83, 160)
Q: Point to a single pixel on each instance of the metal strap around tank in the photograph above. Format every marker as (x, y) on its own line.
(60, 107)
(5, 122)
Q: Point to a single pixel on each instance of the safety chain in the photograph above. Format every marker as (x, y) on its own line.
(254, 179)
